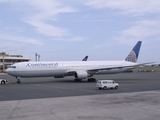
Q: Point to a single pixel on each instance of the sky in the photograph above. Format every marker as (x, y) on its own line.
(68, 30)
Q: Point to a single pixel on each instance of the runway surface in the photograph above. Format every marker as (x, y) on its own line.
(137, 98)
(49, 87)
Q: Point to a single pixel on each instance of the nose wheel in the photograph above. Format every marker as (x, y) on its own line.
(18, 80)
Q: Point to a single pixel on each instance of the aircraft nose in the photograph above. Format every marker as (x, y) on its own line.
(8, 70)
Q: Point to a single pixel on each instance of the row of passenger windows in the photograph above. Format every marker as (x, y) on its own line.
(12, 67)
(85, 66)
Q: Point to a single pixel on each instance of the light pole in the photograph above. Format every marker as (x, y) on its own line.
(3, 53)
(36, 56)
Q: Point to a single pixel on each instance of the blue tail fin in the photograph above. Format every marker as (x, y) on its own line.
(133, 55)
(85, 59)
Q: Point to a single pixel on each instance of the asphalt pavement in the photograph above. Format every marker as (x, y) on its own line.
(47, 98)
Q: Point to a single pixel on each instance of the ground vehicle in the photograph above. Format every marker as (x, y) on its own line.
(3, 81)
(106, 84)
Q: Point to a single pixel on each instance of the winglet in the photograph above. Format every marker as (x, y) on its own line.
(85, 59)
(133, 55)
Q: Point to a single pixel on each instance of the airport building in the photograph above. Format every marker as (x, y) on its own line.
(7, 60)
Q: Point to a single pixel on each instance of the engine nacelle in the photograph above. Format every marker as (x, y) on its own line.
(81, 74)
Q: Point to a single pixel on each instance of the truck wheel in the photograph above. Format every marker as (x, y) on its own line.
(116, 87)
(104, 87)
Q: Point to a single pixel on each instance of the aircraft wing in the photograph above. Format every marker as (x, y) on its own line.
(94, 70)
(119, 67)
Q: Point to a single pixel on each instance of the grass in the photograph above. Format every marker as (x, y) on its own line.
(148, 68)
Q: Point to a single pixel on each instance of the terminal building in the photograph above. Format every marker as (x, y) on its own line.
(7, 60)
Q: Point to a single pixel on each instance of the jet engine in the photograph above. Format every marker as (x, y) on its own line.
(81, 74)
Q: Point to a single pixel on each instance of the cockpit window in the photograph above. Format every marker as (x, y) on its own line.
(12, 67)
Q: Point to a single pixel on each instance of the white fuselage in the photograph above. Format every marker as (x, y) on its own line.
(66, 68)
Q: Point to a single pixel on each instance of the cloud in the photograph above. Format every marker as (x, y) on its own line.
(10, 47)
(4, 0)
(15, 29)
(45, 11)
(145, 14)
(100, 46)
(74, 39)
(20, 39)
(142, 30)
(42, 16)
(134, 7)
(47, 29)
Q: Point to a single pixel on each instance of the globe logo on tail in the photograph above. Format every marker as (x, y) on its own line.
(131, 57)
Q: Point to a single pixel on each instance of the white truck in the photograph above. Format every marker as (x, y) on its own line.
(107, 84)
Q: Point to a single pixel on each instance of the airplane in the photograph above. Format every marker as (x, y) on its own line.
(85, 58)
(79, 69)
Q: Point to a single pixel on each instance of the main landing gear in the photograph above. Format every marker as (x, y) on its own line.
(77, 80)
(18, 80)
(91, 79)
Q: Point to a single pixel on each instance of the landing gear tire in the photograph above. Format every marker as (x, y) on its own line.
(18, 82)
(91, 79)
(77, 80)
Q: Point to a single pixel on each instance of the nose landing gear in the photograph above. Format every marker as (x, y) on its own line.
(18, 80)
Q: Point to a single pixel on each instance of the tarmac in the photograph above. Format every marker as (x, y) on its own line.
(137, 98)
